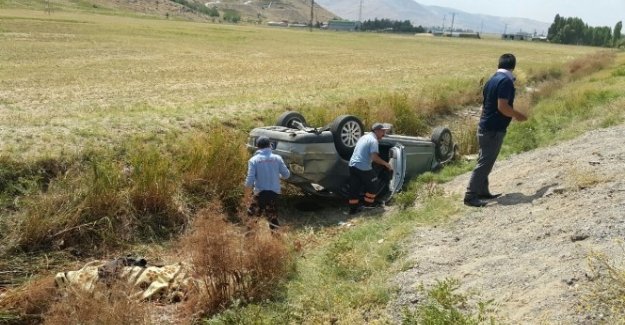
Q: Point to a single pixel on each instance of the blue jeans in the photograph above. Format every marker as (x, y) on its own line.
(490, 144)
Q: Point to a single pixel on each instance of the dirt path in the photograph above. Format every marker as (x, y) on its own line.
(528, 249)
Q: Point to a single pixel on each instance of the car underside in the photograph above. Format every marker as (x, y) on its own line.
(318, 157)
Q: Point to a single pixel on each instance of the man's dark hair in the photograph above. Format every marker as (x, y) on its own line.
(263, 142)
(507, 61)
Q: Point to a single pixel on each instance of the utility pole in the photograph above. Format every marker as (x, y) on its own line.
(453, 16)
(360, 12)
(505, 29)
(312, 12)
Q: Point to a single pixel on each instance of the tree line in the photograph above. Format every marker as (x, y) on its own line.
(573, 30)
(394, 26)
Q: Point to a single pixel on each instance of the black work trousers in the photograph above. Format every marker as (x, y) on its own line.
(359, 180)
(265, 203)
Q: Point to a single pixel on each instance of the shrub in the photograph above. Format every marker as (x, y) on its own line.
(75, 211)
(24, 178)
(152, 193)
(546, 74)
(214, 165)
(231, 15)
(407, 119)
(232, 263)
(363, 110)
(586, 65)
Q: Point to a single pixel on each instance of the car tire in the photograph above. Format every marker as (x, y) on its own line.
(346, 130)
(286, 119)
(443, 144)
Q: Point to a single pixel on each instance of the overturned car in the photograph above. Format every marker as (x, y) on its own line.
(318, 157)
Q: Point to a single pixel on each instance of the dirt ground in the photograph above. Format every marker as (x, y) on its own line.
(528, 250)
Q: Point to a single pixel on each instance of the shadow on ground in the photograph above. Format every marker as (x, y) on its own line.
(519, 198)
(317, 212)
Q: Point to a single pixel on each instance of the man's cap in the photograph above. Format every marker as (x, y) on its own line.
(262, 142)
(379, 126)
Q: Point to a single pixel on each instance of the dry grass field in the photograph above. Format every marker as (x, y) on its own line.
(70, 81)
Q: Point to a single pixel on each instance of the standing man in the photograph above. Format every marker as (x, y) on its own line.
(497, 112)
(361, 173)
(264, 170)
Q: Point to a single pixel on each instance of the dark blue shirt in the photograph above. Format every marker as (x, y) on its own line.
(498, 86)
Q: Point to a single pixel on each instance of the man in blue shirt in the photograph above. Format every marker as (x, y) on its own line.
(264, 170)
(361, 173)
(497, 112)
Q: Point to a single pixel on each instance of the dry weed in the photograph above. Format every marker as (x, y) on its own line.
(465, 136)
(606, 295)
(231, 262)
(112, 306)
(213, 166)
(582, 178)
(29, 302)
(588, 64)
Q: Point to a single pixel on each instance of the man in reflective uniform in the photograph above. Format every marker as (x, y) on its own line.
(264, 171)
(361, 173)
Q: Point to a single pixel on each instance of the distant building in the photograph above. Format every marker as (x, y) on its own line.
(343, 25)
(520, 36)
(457, 34)
(278, 24)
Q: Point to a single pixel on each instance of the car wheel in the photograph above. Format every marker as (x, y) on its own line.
(287, 119)
(443, 144)
(346, 130)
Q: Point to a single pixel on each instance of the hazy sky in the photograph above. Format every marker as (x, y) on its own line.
(592, 12)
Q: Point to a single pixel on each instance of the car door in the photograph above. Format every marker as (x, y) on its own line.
(397, 159)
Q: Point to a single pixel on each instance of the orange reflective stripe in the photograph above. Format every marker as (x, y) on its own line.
(371, 195)
(353, 201)
(369, 200)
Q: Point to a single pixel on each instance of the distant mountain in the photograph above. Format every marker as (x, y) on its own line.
(272, 10)
(251, 11)
(431, 16)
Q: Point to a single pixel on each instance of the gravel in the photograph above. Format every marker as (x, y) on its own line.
(528, 250)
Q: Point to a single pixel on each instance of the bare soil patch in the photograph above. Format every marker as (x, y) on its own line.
(528, 250)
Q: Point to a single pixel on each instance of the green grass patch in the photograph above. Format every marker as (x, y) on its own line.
(573, 109)
(620, 72)
(424, 186)
(347, 278)
(444, 305)
(109, 199)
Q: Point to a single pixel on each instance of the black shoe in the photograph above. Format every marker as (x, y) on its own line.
(474, 202)
(488, 196)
